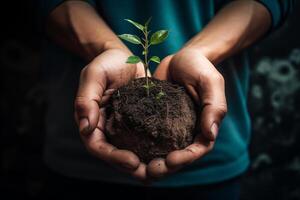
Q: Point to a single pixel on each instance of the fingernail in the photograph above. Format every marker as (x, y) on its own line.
(84, 126)
(214, 130)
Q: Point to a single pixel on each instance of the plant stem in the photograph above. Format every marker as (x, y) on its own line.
(146, 63)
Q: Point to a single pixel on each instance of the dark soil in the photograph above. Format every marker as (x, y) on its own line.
(150, 126)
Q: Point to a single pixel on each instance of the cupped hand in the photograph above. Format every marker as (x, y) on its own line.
(190, 68)
(98, 80)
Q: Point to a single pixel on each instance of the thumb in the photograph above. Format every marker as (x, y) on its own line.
(214, 106)
(89, 95)
(211, 117)
(162, 71)
(140, 71)
(86, 114)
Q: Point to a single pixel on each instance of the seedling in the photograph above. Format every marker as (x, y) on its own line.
(139, 121)
(160, 95)
(156, 38)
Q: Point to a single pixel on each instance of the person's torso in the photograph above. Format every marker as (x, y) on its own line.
(64, 151)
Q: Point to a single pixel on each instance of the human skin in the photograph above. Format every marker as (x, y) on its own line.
(235, 27)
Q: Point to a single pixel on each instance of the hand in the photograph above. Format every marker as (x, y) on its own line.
(190, 68)
(98, 80)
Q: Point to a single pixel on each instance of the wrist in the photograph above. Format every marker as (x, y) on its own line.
(110, 44)
(94, 49)
(211, 54)
(214, 51)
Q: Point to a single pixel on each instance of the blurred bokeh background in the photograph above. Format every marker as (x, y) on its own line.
(274, 104)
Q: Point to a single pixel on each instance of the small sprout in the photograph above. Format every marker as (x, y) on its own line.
(146, 86)
(160, 94)
(149, 86)
(156, 38)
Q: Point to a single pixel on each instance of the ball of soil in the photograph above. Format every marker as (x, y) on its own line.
(150, 126)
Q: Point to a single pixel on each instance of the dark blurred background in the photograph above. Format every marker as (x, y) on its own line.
(274, 103)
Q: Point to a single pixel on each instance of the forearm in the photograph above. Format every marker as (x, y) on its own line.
(235, 27)
(77, 27)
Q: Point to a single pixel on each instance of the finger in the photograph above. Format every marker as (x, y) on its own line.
(86, 114)
(140, 173)
(195, 151)
(209, 85)
(158, 168)
(140, 71)
(214, 106)
(161, 72)
(193, 92)
(106, 96)
(91, 87)
(97, 145)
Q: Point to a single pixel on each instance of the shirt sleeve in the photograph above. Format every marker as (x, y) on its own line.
(278, 9)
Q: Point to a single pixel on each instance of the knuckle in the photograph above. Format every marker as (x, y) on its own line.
(101, 148)
(89, 70)
(217, 78)
(98, 150)
(80, 103)
(211, 78)
(194, 150)
(223, 109)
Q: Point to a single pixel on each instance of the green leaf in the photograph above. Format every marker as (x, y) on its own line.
(130, 38)
(137, 25)
(159, 36)
(144, 52)
(155, 59)
(133, 59)
(151, 85)
(160, 94)
(148, 21)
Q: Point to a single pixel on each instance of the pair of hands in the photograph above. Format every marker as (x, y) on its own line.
(108, 71)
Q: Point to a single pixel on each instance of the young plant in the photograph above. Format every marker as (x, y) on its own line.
(156, 38)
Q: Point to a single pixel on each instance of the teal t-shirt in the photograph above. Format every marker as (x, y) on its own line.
(64, 151)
